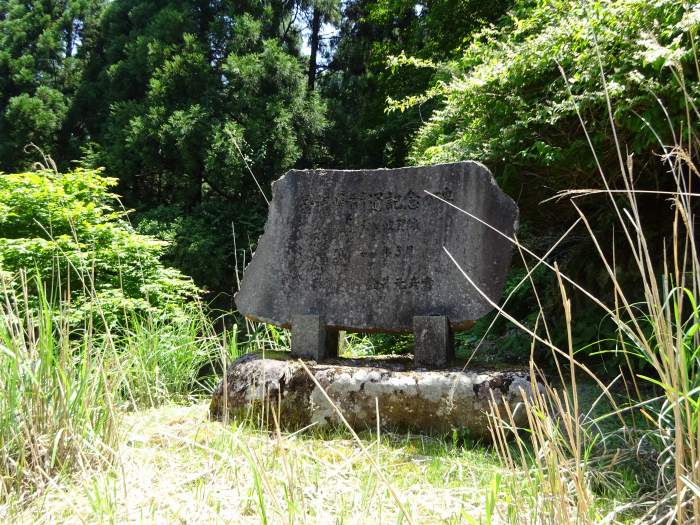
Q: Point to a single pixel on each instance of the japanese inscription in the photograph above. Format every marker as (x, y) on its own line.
(366, 250)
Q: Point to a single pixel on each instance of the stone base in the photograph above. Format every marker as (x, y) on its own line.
(434, 401)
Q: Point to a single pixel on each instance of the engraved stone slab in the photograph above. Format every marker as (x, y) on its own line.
(363, 250)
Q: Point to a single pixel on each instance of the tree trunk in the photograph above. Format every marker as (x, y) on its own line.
(69, 39)
(315, 30)
(197, 183)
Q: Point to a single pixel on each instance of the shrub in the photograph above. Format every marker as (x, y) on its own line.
(200, 241)
(513, 95)
(66, 231)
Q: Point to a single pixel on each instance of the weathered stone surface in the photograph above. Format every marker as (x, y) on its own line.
(312, 339)
(363, 250)
(433, 342)
(436, 401)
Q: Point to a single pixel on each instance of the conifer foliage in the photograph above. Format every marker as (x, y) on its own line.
(180, 95)
(42, 56)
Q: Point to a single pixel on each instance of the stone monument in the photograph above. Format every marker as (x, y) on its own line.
(363, 251)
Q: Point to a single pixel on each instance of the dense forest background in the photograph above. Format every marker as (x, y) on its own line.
(187, 102)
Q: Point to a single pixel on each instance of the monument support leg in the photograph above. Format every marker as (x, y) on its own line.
(332, 338)
(311, 339)
(433, 345)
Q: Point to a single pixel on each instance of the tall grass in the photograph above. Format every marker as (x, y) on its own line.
(569, 453)
(161, 361)
(64, 388)
(57, 407)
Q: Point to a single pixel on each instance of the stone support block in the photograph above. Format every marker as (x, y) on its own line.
(433, 344)
(312, 339)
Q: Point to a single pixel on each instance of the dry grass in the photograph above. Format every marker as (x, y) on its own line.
(176, 466)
